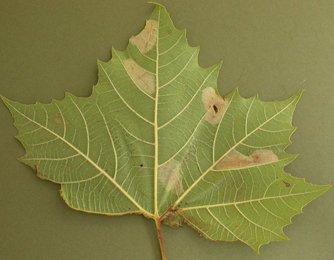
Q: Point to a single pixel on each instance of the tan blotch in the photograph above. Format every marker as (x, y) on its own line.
(147, 38)
(141, 77)
(57, 119)
(236, 160)
(215, 105)
(170, 177)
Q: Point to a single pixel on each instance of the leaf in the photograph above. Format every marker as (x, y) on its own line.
(155, 138)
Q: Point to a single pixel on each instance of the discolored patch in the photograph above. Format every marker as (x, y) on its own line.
(57, 119)
(147, 38)
(173, 219)
(141, 77)
(215, 105)
(236, 160)
(170, 177)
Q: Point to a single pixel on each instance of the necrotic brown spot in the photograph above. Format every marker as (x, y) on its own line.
(236, 160)
(173, 219)
(170, 177)
(215, 108)
(141, 77)
(147, 38)
(215, 105)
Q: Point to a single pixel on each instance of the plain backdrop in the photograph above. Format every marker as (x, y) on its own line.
(274, 48)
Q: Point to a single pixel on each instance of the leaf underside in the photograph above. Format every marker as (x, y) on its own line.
(155, 138)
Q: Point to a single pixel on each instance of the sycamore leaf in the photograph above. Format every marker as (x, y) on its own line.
(155, 138)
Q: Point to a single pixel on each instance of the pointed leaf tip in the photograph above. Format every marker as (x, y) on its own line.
(155, 3)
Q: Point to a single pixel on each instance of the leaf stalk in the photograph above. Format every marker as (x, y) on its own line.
(162, 248)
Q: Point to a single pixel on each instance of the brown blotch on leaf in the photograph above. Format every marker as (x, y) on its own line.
(173, 219)
(215, 105)
(170, 177)
(147, 38)
(187, 155)
(57, 119)
(236, 160)
(287, 184)
(141, 77)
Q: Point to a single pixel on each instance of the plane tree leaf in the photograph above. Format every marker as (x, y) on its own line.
(156, 138)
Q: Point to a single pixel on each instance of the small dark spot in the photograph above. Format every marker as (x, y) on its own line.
(287, 184)
(255, 158)
(141, 165)
(35, 169)
(215, 109)
(179, 205)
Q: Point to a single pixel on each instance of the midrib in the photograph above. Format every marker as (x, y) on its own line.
(156, 150)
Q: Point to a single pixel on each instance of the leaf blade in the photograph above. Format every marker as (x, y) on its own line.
(263, 214)
(155, 138)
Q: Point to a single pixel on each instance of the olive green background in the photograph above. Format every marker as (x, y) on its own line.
(273, 48)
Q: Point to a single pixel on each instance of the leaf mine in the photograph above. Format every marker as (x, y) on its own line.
(170, 177)
(214, 104)
(141, 77)
(147, 38)
(236, 160)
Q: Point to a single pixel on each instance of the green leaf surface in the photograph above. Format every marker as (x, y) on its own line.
(156, 138)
